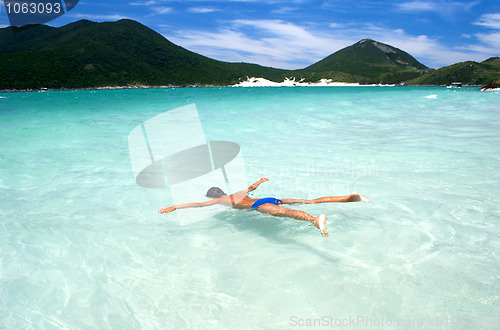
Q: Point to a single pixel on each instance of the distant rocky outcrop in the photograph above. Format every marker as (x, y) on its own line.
(493, 85)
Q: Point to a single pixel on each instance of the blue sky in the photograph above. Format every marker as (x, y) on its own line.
(293, 34)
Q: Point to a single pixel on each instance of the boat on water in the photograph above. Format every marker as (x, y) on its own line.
(455, 85)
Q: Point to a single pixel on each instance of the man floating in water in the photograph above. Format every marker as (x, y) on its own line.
(269, 205)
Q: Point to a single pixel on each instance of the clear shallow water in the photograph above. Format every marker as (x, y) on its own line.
(81, 245)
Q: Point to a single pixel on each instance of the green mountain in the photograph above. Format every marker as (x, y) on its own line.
(368, 61)
(468, 73)
(88, 54)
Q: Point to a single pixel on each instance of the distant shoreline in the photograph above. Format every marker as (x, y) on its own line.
(64, 89)
(332, 84)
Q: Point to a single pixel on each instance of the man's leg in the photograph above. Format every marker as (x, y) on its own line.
(281, 211)
(354, 197)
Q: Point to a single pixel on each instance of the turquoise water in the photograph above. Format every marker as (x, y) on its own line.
(81, 245)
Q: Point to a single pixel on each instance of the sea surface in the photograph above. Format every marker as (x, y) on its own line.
(82, 245)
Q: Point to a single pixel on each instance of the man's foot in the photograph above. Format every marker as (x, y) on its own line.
(320, 224)
(355, 197)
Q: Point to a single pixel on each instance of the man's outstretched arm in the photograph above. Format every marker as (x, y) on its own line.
(254, 186)
(189, 205)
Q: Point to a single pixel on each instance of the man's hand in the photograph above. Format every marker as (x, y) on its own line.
(256, 184)
(167, 209)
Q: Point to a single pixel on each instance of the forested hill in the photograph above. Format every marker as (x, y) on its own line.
(88, 54)
(369, 61)
(468, 73)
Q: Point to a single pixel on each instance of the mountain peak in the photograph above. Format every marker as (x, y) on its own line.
(370, 58)
(381, 46)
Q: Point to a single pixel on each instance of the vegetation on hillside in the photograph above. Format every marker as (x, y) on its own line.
(368, 61)
(85, 53)
(468, 73)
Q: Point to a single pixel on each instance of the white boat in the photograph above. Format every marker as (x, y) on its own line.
(455, 85)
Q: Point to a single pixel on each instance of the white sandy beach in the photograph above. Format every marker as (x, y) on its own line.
(290, 82)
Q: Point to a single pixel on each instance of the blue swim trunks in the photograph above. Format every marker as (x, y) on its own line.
(267, 200)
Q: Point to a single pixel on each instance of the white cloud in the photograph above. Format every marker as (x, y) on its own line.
(489, 42)
(491, 21)
(161, 10)
(281, 44)
(145, 3)
(491, 39)
(446, 8)
(284, 10)
(154, 6)
(201, 10)
(417, 6)
(488, 46)
(335, 25)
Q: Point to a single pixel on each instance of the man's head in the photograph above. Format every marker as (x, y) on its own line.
(215, 192)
